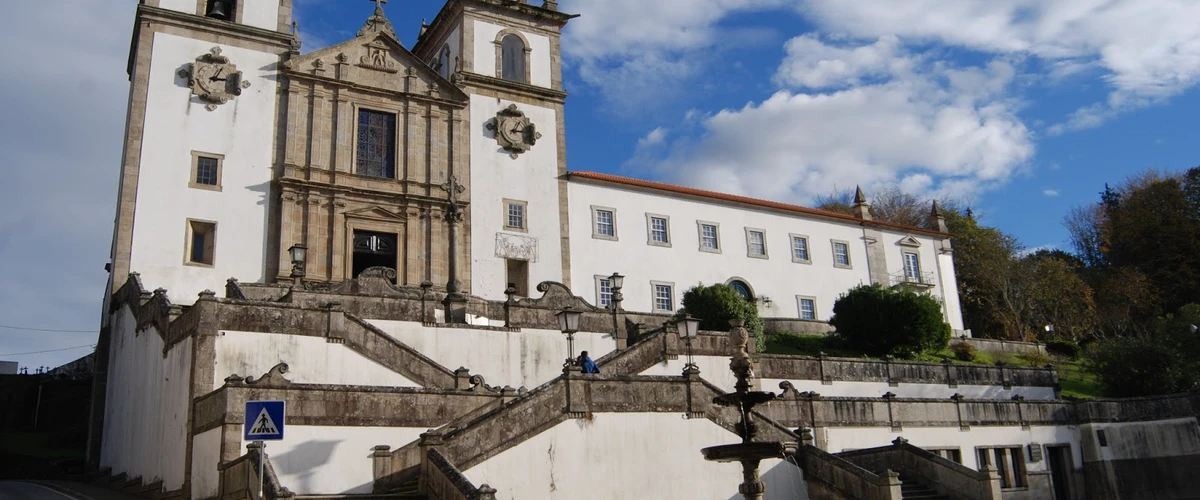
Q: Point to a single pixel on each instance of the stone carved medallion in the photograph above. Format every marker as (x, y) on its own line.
(214, 79)
(377, 59)
(511, 246)
(514, 131)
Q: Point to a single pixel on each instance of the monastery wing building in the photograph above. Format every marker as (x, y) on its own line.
(396, 233)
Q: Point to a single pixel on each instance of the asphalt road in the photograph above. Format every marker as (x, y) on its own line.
(57, 490)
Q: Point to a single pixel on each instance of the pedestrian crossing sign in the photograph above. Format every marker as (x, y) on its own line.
(264, 420)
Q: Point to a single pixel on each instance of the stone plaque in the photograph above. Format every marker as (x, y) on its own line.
(511, 246)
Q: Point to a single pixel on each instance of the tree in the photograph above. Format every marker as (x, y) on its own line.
(1061, 298)
(882, 321)
(1164, 360)
(715, 305)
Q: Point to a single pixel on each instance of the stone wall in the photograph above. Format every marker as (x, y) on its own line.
(829, 369)
(797, 326)
(1004, 346)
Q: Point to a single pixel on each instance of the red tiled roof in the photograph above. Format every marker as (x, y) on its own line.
(713, 195)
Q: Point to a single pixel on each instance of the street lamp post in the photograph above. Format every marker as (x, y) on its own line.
(568, 323)
(616, 282)
(299, 254)
(689, 328)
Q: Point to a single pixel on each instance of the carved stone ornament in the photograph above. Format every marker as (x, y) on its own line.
(214, 79)
(514, 132)
(377, 59)
(511, 246)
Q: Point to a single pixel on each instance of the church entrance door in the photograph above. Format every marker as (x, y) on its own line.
(373, 249)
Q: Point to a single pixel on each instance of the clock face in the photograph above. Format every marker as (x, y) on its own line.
(513, 130)
(211, 78)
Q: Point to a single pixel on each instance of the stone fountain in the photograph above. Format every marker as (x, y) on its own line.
(748, 452)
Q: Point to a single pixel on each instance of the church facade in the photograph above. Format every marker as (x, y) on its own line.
(396, 231)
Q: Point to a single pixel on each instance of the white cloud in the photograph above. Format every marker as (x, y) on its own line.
(1148, 50)
(889, 117)
(1050, 192)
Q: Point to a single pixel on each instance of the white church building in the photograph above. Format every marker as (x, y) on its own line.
(395, 227)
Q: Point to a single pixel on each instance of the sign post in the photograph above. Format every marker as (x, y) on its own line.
(264, 422)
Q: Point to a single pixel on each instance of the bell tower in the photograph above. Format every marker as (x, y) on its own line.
(194, 197)
(506, 55)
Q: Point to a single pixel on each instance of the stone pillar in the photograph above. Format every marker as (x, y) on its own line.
(381, 462)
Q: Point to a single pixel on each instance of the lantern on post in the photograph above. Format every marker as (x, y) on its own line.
(568, 323)
(689, 328)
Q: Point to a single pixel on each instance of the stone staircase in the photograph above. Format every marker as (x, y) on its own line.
(914, 489)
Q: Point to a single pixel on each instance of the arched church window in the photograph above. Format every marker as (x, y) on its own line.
(512, 59)
(443, 65)
(742, 289)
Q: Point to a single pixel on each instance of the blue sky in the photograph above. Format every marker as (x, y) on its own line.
(1023, 108)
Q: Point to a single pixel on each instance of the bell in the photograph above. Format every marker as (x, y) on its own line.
(219, 10)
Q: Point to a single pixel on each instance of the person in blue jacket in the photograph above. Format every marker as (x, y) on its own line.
(586, 364)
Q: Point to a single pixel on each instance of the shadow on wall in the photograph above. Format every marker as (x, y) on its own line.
(784, 480)
(300, 464)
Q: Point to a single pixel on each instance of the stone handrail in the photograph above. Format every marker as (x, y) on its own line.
(366, 339)
(442, 480)
(239, 478)
(648, 351)
(830, 476)
(946, 476)
(830, 369)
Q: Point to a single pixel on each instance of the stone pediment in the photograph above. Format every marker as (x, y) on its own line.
(376, 213)
(375, 60)
(908, 241)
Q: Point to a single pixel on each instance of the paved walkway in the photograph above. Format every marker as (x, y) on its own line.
(58, 490)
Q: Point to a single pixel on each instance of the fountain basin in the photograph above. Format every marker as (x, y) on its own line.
(738, 398)
(748, 451)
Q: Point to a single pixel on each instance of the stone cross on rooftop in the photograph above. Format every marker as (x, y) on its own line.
(379, 6)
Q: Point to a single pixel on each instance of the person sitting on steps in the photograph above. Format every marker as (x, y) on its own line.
(586, 364)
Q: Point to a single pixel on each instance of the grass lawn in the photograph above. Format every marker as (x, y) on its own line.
(1076, 381)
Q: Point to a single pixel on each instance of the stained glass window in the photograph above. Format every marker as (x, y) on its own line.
(376, 144)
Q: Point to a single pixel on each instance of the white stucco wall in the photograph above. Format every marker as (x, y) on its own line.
(146, 405)
(952, 305)
(685, 265)
(206, 456)
(934, 391)
(714, 369)
(930, 260)
(485, 53)
(627, 456)
(530, 178)
(311, 360)
(854, 438)
(176, 124)
(526, 358)
(315, 459)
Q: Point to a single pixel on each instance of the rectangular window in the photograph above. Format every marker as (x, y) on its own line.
(659, 230)
(841, 254)
(604, 223)
(514, 215)
(756, 243)
(1009, 462)
(664, 297)
(808, 307)
(201, 242)
(206, 171)
(604, 294)
(800, 249)
(912, 267)
(376, 144)
(710, 237)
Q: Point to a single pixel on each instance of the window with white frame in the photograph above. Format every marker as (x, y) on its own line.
(808, 307)
(841, 254)
(912, 267)
(604, 223)
(756, 243)
(659, 230)
(664, 297)
(604, 292)
(1009, 461)
(514, 215)
(800, 249)
(710, 237)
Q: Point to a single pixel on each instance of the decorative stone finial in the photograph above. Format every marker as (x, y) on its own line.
(862, 210)
(377, 23)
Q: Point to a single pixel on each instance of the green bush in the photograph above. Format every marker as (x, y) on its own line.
(1036, 359)
(882, 321)
(715, 305)
(1064, 349)
(1163, 361)
(963, 351)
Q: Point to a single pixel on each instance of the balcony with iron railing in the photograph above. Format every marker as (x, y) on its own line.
(913, 279)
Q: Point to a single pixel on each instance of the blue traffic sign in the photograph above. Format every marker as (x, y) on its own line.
(264, 420)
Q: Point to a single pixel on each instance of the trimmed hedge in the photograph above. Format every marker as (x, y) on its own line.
(887, 321)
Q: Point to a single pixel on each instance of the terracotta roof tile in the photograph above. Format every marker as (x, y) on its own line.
(713, 195)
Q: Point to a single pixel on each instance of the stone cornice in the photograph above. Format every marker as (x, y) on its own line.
(297, 75)
(534, 92)
(282, 41)
(392, 197)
